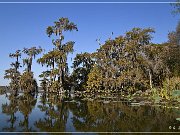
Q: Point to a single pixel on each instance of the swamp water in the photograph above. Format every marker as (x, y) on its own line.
(50, 113)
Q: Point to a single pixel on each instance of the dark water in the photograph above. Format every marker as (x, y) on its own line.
(50, 113)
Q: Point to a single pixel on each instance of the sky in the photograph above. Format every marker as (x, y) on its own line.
(24, 25)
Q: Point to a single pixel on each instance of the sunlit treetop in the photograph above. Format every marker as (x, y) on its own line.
(16, 54)
(60, 26)
(33, 51)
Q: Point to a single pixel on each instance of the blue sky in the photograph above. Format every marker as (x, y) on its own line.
(24, 25)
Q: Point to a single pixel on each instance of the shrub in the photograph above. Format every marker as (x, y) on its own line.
(171, 88)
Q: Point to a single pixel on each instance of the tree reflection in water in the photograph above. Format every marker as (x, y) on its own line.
(10, 110)
(26, 104)
(23, 104)
(112, 117)
(57, 113)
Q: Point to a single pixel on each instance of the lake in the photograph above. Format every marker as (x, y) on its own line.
(52, 113)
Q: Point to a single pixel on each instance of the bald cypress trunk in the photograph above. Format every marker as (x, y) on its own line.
(150, 79)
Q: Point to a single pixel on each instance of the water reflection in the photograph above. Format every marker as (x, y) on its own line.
(56, 114)
(52, 113)
(100, 117)
(25, 105)
(10, 110)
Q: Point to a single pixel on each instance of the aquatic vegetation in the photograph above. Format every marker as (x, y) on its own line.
(178, 119)
(171, 85)
(176, 95)
(170, 90)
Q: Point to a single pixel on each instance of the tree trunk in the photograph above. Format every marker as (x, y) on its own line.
(29, 64)
(60, 79)
(150, 79)
(54, 75)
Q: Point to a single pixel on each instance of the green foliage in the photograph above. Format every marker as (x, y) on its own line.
(121, 63)
(173, 51)
(171, 88)
(155, 95)
(28, 83)
(131, 62)
(44, 81)
(172, 84)
(95, 80)
(25, 81)
(13, 74)
(176, 95)
(55, 86)
(31, 52)
(2, 91)
(126, 64)
(82, 65)
(58, 77)
(60, 26)
(43, 84)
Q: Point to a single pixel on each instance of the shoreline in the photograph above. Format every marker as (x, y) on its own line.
(137, 100)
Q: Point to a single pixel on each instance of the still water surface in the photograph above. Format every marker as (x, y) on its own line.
(50, 113)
